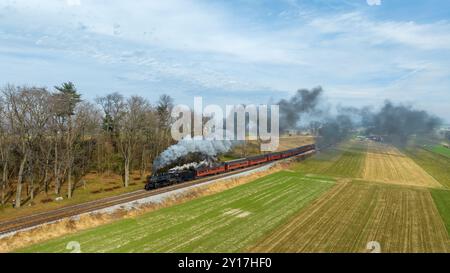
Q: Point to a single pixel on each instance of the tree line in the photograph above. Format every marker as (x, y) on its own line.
(50, 139)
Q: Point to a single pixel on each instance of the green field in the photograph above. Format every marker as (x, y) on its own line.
(442, 201)
(441, 150)
(226, 222)
(347, 161)
(436, 165)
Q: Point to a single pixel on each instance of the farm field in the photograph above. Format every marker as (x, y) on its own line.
(352, 214)
(439, 149)
(436, 165)
(345, 161)
(290, 142)
(226, 222)
(385, 163)
(337, 201)
(252, 147)
(442, 200)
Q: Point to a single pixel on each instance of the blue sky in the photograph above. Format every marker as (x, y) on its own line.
(250, 51)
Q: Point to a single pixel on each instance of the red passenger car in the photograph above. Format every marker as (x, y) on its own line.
(211, 171)
(257, 160)
(274, 156)
(237, 164)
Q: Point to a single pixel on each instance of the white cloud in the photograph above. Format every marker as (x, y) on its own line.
(373, 2)
(199, 45)
(73, 3)
(358, 27)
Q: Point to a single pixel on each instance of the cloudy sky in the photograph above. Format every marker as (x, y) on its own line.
(244, 51)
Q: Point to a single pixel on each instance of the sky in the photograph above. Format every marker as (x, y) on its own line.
(361, 52)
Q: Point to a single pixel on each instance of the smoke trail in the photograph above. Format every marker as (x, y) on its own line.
(334, 130)
(398, 122)
(304, 101)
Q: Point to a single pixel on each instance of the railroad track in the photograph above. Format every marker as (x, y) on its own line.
(34, 220)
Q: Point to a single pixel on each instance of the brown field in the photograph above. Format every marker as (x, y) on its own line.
(352, 214)
(290, 142)
(386, 164)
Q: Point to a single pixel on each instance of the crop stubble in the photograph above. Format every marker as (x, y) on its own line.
(386, 164)
(352, 214)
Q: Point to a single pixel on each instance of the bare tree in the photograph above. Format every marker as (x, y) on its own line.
(164, 110)
(28, 115)
(51, 138)
(148, 141)
(5, 148)
(112, 105)
(87, 122)
(130, 130)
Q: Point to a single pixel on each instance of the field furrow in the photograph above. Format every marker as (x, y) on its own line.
(386, 164)
(346, 161)
(353, 214)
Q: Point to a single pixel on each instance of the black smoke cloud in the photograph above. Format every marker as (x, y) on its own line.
(334, 130)
(398, 122)
(304, 101)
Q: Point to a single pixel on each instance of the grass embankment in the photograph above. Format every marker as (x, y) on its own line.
(225, 222)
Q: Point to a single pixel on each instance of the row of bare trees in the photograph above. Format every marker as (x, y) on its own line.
(50, 139)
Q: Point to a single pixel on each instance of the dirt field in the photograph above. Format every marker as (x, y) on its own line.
(352, 214)
(290, 142)
(386, 164)
(253, 147)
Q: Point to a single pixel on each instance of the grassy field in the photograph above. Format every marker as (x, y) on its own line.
(226, 222)
(345, 161)
(384, 163)
(442, 200)
(352, 214)
(441, 150)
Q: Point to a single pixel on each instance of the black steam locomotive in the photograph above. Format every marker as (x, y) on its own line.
(175, 177)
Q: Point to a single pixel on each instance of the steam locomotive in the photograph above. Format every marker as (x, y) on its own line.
(179, 176)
